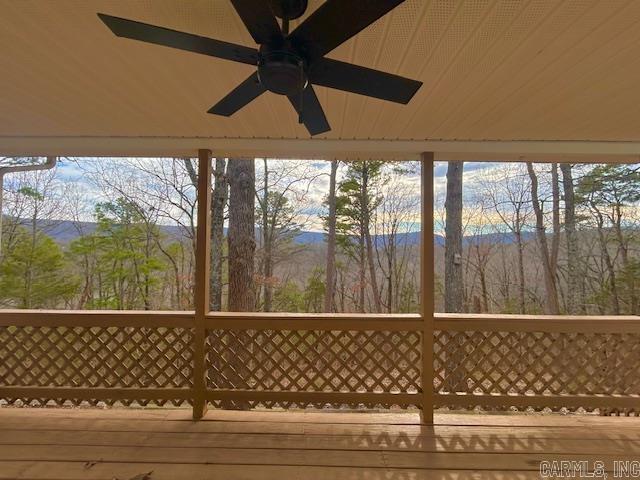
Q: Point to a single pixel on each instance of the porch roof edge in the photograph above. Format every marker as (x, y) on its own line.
(467, 150)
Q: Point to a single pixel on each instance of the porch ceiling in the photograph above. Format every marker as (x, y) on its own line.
(540, 70)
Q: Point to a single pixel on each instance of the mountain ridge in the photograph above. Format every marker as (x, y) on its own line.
(65, 231)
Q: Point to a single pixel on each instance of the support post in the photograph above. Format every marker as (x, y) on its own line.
(202, 275)
(427, 285)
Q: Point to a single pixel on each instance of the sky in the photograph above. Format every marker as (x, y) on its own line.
(311, 202)
(311, 205)
(307, 197)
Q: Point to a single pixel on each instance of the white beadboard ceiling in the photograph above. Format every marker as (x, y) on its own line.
(531, 71)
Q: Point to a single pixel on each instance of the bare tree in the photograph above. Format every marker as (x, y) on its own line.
(162, 191)
(19, 164)
(551, 304)
(395, 223)
(573, 277)
(282, 204)
(505, 189)
(555, 222)
(329, 300)
(480, 247)
(365, 200)
(218, 204)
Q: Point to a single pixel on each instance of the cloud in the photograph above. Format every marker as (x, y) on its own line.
(307, 196)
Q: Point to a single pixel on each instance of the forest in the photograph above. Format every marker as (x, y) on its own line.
(322, 236)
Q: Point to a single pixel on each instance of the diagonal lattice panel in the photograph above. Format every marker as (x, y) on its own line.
(314, 361)
(536, 363)
(119, 357)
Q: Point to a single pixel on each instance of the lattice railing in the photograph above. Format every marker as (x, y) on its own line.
(535, 363)
(363, 361)
(513, 362)
(153, 357)
(315, 361)
(44, 364)
(107, 357)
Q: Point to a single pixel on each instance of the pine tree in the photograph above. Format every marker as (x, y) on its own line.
(608, 190)
(35, 273)
(356, 203)
(127, 261)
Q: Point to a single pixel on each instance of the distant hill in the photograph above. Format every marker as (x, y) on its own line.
(413, 238)
(64, 231)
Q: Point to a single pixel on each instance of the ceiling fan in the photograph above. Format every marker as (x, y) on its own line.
(288, 63)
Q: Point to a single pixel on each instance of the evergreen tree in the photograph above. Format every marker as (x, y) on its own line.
(34, 272)
(125, 256)
(278, 228)
(607, 191)
(314, 292)
(288, 298)
(356, 203)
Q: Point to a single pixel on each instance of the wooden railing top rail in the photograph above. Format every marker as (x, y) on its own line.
(538, 323)
(313, 316)
(96, 318)
(324, 321)
(313, 321)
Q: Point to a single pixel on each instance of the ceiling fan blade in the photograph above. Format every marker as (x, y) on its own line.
(362, 80)
(144, 32)
(259, 20)
(312, 114)
(240, 96)
(336, 21)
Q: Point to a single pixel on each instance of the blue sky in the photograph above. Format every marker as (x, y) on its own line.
(69, 172)
(310, 204)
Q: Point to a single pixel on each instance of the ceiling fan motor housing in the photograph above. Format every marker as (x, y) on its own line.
(289, 9)
(281, 70)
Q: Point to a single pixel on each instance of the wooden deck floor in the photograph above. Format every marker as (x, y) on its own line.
(122, 444)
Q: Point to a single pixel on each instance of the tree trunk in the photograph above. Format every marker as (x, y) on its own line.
(241, 236)
(361, 271)
(453, 273)
(453, 286)
(623, 248)
(522, 301)
(573, 277)
(392, 268)
(267, 245)
(555, 240)
(147, 277)
(613, 285)
(218, 202)
(482, 273)
(551, 305)
(372, 272)
(505, 281)
(28, 280)
(340, 281)
(329, 304)
(366, 213)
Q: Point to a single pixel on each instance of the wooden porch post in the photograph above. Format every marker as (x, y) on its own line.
(202, 275)
(427, 284)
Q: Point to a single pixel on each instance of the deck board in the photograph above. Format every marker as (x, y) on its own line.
(57, 444)
(450, 443)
